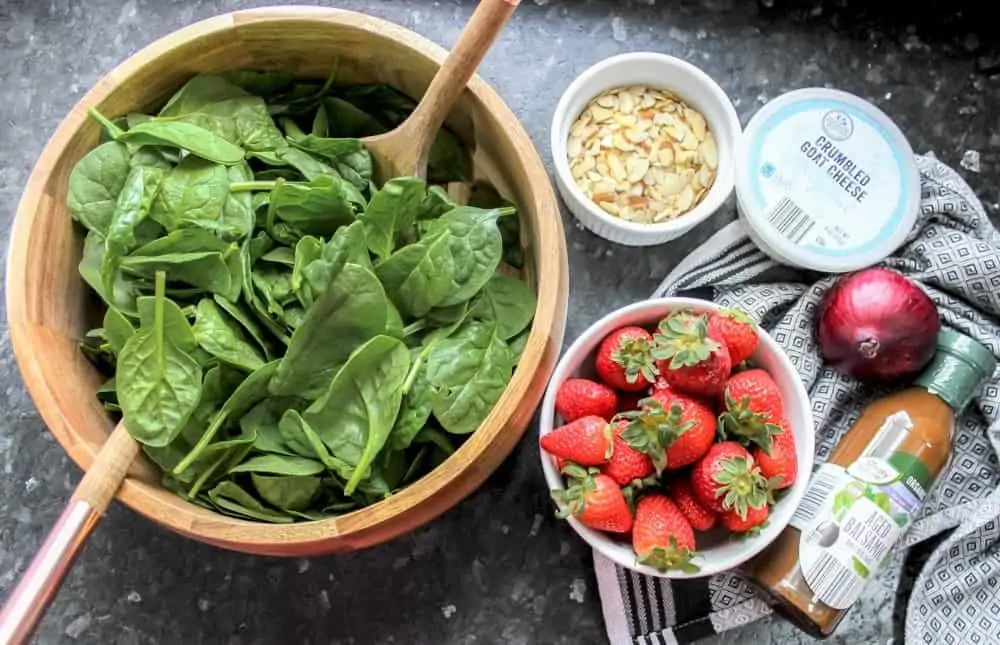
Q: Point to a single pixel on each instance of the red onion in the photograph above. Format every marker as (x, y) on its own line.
(877, 325)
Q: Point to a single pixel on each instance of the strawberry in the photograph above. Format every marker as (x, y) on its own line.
(753, 408)
(580, 397)
(628, 401)
(737, 330)
(689, 358)
(624, 359)
(673, 429)
(627, 464)
(586, 441)
(595, 500)
(727, 478)
(781, 466)
(754, 520)
(682, 494)
(661, 536)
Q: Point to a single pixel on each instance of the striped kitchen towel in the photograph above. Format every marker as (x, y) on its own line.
(954, 253)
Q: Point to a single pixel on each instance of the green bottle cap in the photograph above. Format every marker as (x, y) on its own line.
(958, 370)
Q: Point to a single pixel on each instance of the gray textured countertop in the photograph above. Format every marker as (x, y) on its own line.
(499, 568)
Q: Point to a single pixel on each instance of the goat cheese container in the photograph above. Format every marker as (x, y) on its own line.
(826, 181)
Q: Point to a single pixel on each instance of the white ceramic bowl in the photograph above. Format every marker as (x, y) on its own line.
(717, 551)
(659, 71)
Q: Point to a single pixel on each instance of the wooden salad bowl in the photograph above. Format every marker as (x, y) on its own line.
(48, 308)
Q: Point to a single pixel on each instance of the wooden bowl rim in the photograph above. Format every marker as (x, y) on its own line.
(540, 353)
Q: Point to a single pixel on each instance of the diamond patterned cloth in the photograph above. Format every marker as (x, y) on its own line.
(954, 254)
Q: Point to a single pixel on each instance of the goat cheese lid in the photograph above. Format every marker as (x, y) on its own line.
(826, 181)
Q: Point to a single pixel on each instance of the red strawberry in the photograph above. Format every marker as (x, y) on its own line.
(627, 464)
(689, 358)
(781, 466)
(595, 500)
(700, 518)
(624, 359)
(727, 478)
(673, 429)
(737, 330)
(586, 441)
(754, 520)
(753, 408)
(661, 536)
(580, 397)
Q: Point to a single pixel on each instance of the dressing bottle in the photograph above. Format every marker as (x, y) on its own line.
(859, 504)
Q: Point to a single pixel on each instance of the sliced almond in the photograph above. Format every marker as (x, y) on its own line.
(574, 147)
(696, 122)
(616, 168)
(609, 101)
(670, 184)
(709, 152)
(626, 102)
(637, 168)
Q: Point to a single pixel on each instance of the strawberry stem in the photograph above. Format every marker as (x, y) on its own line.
(635, 355)
(744, 425)
(651, 430)
(669, 557)
(683, 338)
(741, 485)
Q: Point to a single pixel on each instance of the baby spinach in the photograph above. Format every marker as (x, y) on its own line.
(352, 310)
(257, 280)
(467, 373)
(159, 385)
(222, 339)
(187, 136)
(94, 185)
(391, 211)
(355, 415)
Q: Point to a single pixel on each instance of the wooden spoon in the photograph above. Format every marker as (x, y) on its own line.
(402, 152)
(38, 586)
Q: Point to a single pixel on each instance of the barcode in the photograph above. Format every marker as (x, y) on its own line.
(790, 220)
(820, 487)
(834, 583)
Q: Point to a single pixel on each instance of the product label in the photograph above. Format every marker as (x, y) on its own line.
(829, 177)
(850, 518)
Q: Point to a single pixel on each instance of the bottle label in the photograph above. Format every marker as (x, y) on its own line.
(829, 177)
(850, 518)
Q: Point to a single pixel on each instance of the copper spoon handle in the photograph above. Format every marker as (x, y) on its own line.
(38, 586)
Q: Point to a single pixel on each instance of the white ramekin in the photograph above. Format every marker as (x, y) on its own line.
(659, 71)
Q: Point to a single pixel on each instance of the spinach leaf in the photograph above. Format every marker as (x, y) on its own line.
(152, 156)
(475, 245)
(346, 120)
(301, 438)
(508, 301)
(448, 160)
(348, 156)
(220, 338)
(250, 392)
(318, 208)
(94, 185)
(262, 420)
(308, 250)
(259, 83)
(321, 123)
(176, 328)
(353, 309)
(123, 293)
(131, 208)
(280, 465)
(356, 414)
(159, 385)
(416, 405)
(280, 255)
(517, 345)
(117, 329)
(192, 256)
(468, 372)
(246, 321)
(436, 203)
(228, 497)
(179, 134)
(419, 276)
(392, 210)
(287, 492)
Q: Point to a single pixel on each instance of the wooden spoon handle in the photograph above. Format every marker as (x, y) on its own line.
(450, 81)
(27, 603)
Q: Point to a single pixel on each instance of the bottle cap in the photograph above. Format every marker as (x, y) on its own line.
(958, 370)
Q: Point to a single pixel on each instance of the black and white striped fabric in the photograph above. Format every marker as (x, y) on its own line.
(954, 253)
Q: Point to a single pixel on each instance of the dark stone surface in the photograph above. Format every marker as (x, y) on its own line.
(498, 568)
